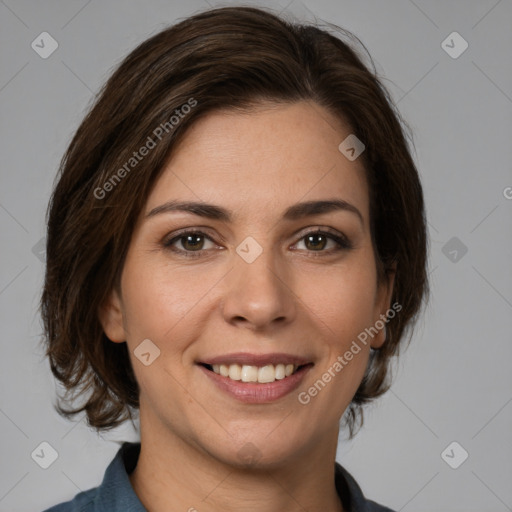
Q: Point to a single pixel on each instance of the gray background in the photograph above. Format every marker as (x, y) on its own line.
(454, 382)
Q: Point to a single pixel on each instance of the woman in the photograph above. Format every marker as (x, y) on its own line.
(236, 249)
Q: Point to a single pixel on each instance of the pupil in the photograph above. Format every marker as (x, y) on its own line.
(192, 244)
(322, 243)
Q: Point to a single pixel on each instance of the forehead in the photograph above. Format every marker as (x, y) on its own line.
(260, 162)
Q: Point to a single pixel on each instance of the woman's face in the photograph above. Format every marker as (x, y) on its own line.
(254, 286)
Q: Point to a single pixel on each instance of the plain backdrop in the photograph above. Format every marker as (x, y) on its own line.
(453, 384)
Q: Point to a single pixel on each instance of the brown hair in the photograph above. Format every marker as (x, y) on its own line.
(233, 57)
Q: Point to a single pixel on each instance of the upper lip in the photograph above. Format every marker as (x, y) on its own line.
(244, 358)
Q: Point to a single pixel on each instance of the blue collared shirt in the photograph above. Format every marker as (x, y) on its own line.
(116, 494)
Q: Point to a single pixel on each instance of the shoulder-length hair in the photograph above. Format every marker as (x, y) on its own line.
(226, 58)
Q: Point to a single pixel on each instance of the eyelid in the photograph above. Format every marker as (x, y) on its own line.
(200, 230)
(320, 229)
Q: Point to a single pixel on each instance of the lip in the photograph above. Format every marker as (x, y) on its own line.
(242, 358)
(257, 393)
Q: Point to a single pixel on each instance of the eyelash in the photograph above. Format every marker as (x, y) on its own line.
(343, 243)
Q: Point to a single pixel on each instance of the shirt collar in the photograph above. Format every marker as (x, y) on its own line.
(116, 491)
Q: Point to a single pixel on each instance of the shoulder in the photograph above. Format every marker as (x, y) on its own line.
(351, 494)
(82, 502)
(115, 492)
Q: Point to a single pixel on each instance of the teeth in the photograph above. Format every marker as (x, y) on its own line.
(248, 373)
(266, 374)
(235, 372)
(280, 372)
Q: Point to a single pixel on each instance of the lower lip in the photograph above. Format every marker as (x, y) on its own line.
(256, 393)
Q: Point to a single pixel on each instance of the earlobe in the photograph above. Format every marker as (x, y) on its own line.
(110, 316)
(382, 307)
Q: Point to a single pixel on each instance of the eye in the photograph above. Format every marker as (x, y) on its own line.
(318, 240)
(191, 242)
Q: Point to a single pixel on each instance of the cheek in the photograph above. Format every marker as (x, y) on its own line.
(342, 299)
(157, 298)
(341, 305)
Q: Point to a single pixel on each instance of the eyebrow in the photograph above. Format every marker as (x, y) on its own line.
(294, 212)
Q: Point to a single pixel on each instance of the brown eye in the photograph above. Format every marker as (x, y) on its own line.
(317, 241)
(191, 242)
(188, 243)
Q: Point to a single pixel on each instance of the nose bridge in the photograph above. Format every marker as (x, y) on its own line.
(258, 290)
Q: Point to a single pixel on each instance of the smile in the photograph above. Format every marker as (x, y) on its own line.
(254, 378)
(248, 373)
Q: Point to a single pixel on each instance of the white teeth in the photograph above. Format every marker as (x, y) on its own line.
(280, 373)
(235, 372)
(266, 374)
(248, 373)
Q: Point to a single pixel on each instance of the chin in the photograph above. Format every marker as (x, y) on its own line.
(257, 451)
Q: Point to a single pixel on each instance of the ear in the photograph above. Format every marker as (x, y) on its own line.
(382, 305)
(111, 318)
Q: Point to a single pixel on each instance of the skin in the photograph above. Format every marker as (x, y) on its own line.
(296, 297)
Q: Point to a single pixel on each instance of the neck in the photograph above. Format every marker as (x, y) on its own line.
(174, 475)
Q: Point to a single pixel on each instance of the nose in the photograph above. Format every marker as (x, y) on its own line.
(259, 295)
